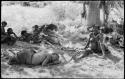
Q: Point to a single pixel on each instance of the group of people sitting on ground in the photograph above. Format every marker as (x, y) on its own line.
(96, 44)
(33, 58)
(30, 56)
(39, 33)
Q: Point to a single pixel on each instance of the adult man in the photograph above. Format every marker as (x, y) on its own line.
(31, 57)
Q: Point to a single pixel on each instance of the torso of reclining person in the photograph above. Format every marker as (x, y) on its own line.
(38, 58)
(29, 57)
(25, 56)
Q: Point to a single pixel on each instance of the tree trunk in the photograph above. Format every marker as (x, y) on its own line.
(93, 13)
(102, 16)
(105, 12)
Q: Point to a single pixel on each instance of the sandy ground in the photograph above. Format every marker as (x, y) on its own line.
(20, 18)
(90, 67)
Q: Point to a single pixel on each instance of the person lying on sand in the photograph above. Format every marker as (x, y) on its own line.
(31, 57)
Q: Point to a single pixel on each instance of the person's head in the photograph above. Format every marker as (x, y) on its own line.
(52, 27)
(35, 27)
(4, 23)
(55, 56)
(42, 28)
(10, 30)
(23, 32)
(13, 60)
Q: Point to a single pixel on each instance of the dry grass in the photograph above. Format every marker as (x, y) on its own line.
(19, 18)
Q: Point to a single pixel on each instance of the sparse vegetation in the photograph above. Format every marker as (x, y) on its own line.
(67, 16)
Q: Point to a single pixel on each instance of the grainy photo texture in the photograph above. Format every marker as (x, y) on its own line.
(62, 39)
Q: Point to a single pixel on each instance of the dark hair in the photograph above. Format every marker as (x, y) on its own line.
(4, 22)
(35, 26)
(42, 28)
(9, 30)
(51, 27)
(23, 32)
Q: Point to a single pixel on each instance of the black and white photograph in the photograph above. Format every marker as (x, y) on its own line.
(62, 39)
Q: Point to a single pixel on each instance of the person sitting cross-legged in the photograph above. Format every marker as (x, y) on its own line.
(96, 46)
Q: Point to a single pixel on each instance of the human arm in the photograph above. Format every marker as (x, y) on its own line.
(101, 43)
(15, 35)
(45, 62)
(54, 63)
(88, 42)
